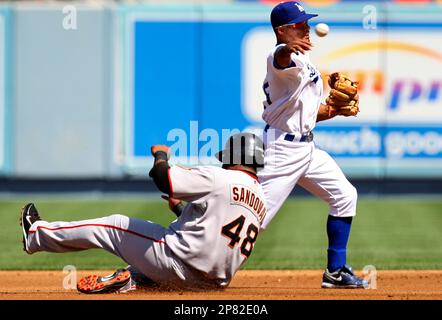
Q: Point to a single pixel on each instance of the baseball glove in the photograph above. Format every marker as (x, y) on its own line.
(343, 98)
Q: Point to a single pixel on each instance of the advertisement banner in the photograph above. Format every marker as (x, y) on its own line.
(194, 77)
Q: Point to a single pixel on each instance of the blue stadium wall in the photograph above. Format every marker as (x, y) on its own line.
(87, 104)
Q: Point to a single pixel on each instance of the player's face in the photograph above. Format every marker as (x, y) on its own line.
(299, 30)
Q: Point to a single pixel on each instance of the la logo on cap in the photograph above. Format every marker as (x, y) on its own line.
(299, 7)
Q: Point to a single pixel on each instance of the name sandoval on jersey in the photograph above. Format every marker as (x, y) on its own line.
(243, 196)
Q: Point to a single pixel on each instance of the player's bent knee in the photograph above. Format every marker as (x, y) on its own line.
(351, 199)
(353, 194)
(118, 219)
(345, 204)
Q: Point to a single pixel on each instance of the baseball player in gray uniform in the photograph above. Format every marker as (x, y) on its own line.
(203, 248)
(293, 88)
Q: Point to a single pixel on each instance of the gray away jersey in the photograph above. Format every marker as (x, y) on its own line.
(218, 227)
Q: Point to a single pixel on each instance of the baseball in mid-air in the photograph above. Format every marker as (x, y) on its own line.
(322, 29)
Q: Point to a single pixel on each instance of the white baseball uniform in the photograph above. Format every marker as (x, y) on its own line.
(293, 98)
(203, 248)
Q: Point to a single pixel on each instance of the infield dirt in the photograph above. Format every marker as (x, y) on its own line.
(247, 285)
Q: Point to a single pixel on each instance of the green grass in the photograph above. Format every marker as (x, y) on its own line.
(389, 233)
(13, 257)
(386, 233)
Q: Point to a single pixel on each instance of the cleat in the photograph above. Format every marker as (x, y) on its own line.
(28, 215)
(342, 278)
(115, 282)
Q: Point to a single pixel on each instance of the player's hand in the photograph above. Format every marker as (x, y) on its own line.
(160, 148)
(299, 45)
(283, 53)
(172, 201)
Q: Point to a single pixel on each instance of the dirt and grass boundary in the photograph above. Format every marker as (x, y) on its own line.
(247, 285)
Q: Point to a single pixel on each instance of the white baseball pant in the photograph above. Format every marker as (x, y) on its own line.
(288, 163)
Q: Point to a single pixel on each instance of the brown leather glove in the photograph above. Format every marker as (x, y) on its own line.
(343, 98)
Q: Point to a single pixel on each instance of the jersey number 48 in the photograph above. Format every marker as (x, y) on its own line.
(232, 231)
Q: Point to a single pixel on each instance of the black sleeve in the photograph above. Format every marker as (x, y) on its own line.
(159, 174)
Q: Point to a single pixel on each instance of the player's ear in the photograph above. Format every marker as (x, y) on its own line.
(279, 32)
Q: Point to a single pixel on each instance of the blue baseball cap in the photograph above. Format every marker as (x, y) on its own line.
(289, 13)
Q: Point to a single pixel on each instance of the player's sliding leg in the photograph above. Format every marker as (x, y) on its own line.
(139, 279)
(326, 180)
(105, 233)
(121, 281)
(140, 243)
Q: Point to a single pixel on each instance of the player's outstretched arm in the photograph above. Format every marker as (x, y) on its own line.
(283, 53)
(159, 172)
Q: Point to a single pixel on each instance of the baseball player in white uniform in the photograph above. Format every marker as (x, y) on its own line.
(202, 249)
(293, 88)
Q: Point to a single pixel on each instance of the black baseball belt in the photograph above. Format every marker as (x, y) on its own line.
(308, 137)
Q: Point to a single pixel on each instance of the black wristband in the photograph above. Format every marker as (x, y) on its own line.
(160, 155)
(178, 209)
